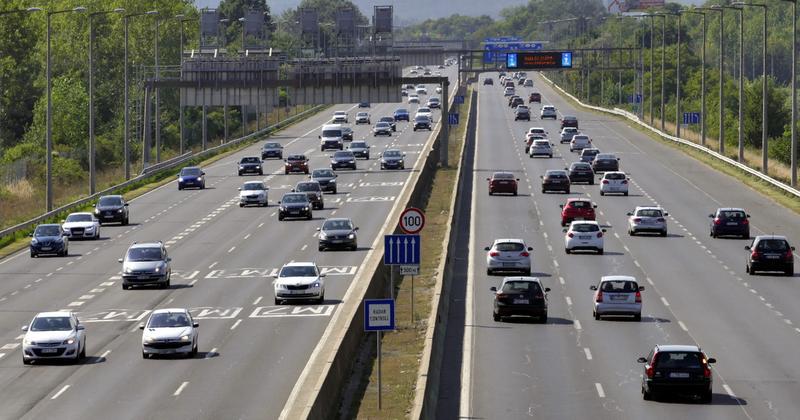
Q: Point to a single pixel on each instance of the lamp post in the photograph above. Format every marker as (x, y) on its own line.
(181, 19)
(716, 8)
(740, 149)
(793, 152)
(764, 143)
(92, 169)
(49, 123)
(225, 105)
(677, 76)
(663, 48)
(126, 134)
(242, 107)
(702, 78)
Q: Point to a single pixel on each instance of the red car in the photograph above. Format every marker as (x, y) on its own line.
(577, 209)
(535, 97)
(502, 182)
(569, 121)
(296, 163)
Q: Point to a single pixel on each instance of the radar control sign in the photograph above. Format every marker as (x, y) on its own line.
(539, 60)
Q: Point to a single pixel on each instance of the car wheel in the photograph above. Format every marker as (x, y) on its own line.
(637, 317)
(602, 193)
(241, 204)
(515, 193)
(309, 217)
(544, 191)
(789, 271)
(706, 397)
(664, 233)
(280, 218)
(125, 286)
(278, 302)
(321, 248)
(321, 300)
(596, 316)
(625, 193)
(567, 191)
(600, 251)
(489, 272)
(747, 269)
(25, 361)
(165, 285)
(490, 193)
(646, 395)
(194, 350)
(591, 182)
(334, 191)
(144, 355)
(631, 232)
(82, 354)
(240, 173)
(179, 188)
(496, 317)
(567, 250)
(367, 157)
(711, 233)
(125, 223)
(543, 319)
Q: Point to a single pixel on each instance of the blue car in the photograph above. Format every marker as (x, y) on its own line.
(401, 115)
(191, 177)
(49, 239)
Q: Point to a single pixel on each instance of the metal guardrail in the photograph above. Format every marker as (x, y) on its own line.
(620, 112)
(150, 170)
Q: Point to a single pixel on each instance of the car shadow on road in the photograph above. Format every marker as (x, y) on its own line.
(206, 355)
(716, 399)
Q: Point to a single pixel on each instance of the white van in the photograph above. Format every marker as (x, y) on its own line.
(331, 137)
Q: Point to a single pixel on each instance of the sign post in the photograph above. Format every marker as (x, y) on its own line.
(412, 220)
(378, 317)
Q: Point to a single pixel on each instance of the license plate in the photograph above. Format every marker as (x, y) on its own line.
(49, 350)
(294, 212)
(585, 238)
(143, 277)
(108, 216)
(619, 298)
(578, 218)
(336, 241)
(521, 301)
(773, 257)
(732, 224)
(46, 248)
(678, 375)
(508, 264)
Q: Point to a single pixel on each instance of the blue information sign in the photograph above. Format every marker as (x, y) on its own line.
(402, 249)
(379, 315)
(452, 118)
(691, 118)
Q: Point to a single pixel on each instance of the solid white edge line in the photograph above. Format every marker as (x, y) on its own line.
(236, 324)
(728, 390)
(683, 326)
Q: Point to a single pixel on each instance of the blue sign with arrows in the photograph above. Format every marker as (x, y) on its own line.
(401, 249)
(691, 118)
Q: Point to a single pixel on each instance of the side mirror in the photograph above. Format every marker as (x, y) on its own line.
(31, 234)
(592, 287)
(564, 230)
(24, 328)
(594, 206)
(493, 289)
(792, 248)
(629, 214)
(566, 169)
(711, 215)
(126, 204)
(141, 326)
(641, 288)
(293, 190)
(63, 221)
(322, 274)
(641, 360)
(540, 176)
(80, 328)
(202, 173)
(747, 247)
(530, 248)
(488, 179)
(319, 137)
(356, 228)
(405, 154)
(517, 179)
(603, 230)
(279, 201)
(238, 189)
(666, 214)
(196, 325)
(546, 289)
(119, 260)
(561, 205)
(711, 360)
(179, 175)
(95, 205)
(169, 259)
(487, 248)
(747, 215)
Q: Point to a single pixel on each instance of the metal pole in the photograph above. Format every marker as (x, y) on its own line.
(651, 68)
(721, 83)
(180, 94)
(49, 124)
(794, 96)
(158, 102)
(391, 282)
(678, 84)
(205, 122)
(91, 107)
(126, 130)
(413, 321)
(443, 144)
(379, 372)
(663, 49)
(703, 89)
(764, 142)
(740, 154)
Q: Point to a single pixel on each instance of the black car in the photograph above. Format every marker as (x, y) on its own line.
(520, 296)
(605, 162)
(555, 180)
(111, 209)
(326, 179)
(250, 165)
(191, 176)
(581, 172)
(401, 114)
(347, 133)
(514, 101)
(521, 112)
(314, 192)
(343, 159)
(360, 149)
(272, 150)
(390, 121)
(421, 122)
(294, 205)
(730, 221)
(363, 104)
(678, 369)
(770, 253)
(569, 121)
(338, 233)
(393, 159)
(488, 81)
(49, 239)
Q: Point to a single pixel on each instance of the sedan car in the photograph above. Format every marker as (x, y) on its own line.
(424, 111)
(340, 117)
(401, 114)
(520, 296)
(678, 369)
(535, 97)
(363, 118)
(583, 236)
(508, 91)
(579, 142)
(81, 225)
(508, 255)
(528, 83)
(146, 264)
(603, 162)
(49, 239)
(54, 336)
(382, 129)
(503, 182)
(577, 209)
(581, 172)
(587, 155)
(422, 122)
(729, 221)
(338, 233)
(421, 90)
(515, 102)
(617, 295)
(360, 149)
(347, 133)
(522, 112)
(314, 192)
(169, 331)
(295, 163)
(343, 159)
(488, 81)
(326, 179)
(389, 120)
(541, 148)
(569, 121)
(295, 205)
(555, 180)
(548, 111)
(770, 253)
(614, 183)
(191, 177)
(250, 165)
(272, 150)
(110, 209)
(299, 281)
(647, 219)
(434, 103)
(413, 98)
(567, 133)
(393, 159)
(363, 104)
(253, 193)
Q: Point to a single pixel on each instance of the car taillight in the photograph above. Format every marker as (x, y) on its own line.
(571, 235)
(788, 255)
(637, 220)
(755, 255)
(745, 222)
(494, 254)
(625, 182)
(599, 234)
(706, 369)
(638, 297)
(718, 221)
(598, 296)
(651, 369)
(605, 181)
(525, 254)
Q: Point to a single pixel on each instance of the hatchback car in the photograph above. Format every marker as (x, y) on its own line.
(295, 163)
(567, 133)
(191, 177)
(617, 295)
(49, 239)
(389, 120)
(503, 183)
(111, 208)
(81, 226)
(169, 331)
(577, 209)
(54, 336)
(541, 148)
(579, 142)
(340, 117)
(272, 150)
(401, 114)
(363, 104)
(295, 205)
(531, 138)
(314, 192)
(548, 111)
(528, 83)
(362, 118)
(508, 91)
(569, 121)
(516, 101)
(647, 219)
(583, 236)
(250, 165)
(347, 132)
(360, 149)
(413, 98)
(253, 193)
(508, 255)
(299, 281)
(535, 97)
(343, 159)
(729, 221)
(422, 122)
(146, 264)
(555, 180)
(326, 179)
(382, 129)
(520, 296)
(770, 253)
(522, 112)
(677, 369)
(338, 233)
(434, 103)
(581, 172)
(536, 132)
(614, 183)
(588, 154)
(424, 111)
(603, 162)
(393, 159)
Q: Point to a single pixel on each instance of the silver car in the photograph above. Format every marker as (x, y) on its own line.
(508, 255)
(541, 148)
(647, 219)
(146, 264)
(54, 335)
(567, 133)
(169, 331)
(617, 295)
(548, 111)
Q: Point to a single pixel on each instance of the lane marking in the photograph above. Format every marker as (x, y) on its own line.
(76, 303)
(61, 391)
(212, 265)
(600, 392)
(258, 299)
(663, 300)
(211, 353)
(180, 389)
(577, 325)
(231, 250)
(588, 353)
(105, 353)
(728, 390)
(304, 247)
(236, 324)
(569, 300)
(561, 280)
(683, 326)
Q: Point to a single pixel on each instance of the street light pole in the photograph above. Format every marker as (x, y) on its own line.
(157, 116)
(740, 150)
(181, 136)
(242, 107)
(702, 78)
(764, 126)
(677, 77)
(126, 134)
(793, 152)
(716, 8)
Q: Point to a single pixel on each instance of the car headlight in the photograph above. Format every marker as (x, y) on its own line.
(258, 166)
(241, 166)
(119, 211)
(70, 340)
(315, 285)
(127, 270)
(185, 338)
(323, 235)
(27, 342)
(90, 227)
(332, 181)
(200, 179)
(147, 340)
(351, 236)
(305, 208)
(281, 208)
(34, 241)
(180, 179)
(96, 211)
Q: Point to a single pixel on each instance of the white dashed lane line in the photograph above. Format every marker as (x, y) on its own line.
(180, 389)
(588, 353)
(600, 392)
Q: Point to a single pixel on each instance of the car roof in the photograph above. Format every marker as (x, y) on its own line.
(145, 244)
(338, 219)
(49, 224)
(574, 199)
(254, 182)
(522, 278)
(392, 150)
(555, 171)
(190, 167)
(591, 149)
(300, 264)
(649, 208)
(251, 157)
(678, 347)
(111, 195)
(170, 311)
(80, 212)
(584, 222)
(54, 313)
(613, 172)
(340, 112)
(617, 278)
(272, 143)
(730, 209)
(762, 237)
(536, 129)
(580, 136)
(296, 157)
(569, 117)
(503, 241)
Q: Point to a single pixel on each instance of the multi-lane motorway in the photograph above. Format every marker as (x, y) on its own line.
(251, 352)
(697, 291)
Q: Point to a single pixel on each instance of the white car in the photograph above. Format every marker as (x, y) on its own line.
(421, 90)
(81, 225)
(54, 335)
(253, 192)
(362, 118)
(548, 111)
(509, 91)
(438, 88)
(169, 331)
(617, 295)
(434, 103)
(536, 132)
(340, 117)
(579, 142)
(541, 148)
(614, 183)
(647, 219)
(508, 255)
(583, 235)
(299, 281)
(413, 98)
(424, 111)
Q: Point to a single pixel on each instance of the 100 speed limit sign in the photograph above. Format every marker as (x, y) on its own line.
(412, 220)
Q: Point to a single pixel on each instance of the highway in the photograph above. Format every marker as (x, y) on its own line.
(251, 352)
(697, 291)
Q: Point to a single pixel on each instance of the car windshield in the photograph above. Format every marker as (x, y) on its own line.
(569, 118)
(570, 130)
(144, 254)
(772, 245)
(51, 323)
(580, 138)
(581, 167)
(362, 114)
(322, 173)
(307, 186)
(589, 152)
(679, 360)
(649, 213)
(421, 118)
(332, 133)
(522, 108)
(298, 271)
(732, 214)
(296, 158)
(580, 204)
(522, 287)
(401, 111)
(424, 110)
(79, 218)
(392, 153)
(340, 113)
(191, 172)
(169, 320)
(337, 225)
(387, 119)
(382, 124)
(509, 246)
(502, 175)
(621, 286)
(294, 198)
(615, 176)
(109, 201)
(250, 160)
(585, 227)
(343, 154)
(433, 100)
(272, 146)
(541, 143)
(47, 231)
(253, 186)
(537, 131)
(604, 156)
(358, 145)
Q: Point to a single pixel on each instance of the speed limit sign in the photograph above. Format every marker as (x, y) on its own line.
(412, 220)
